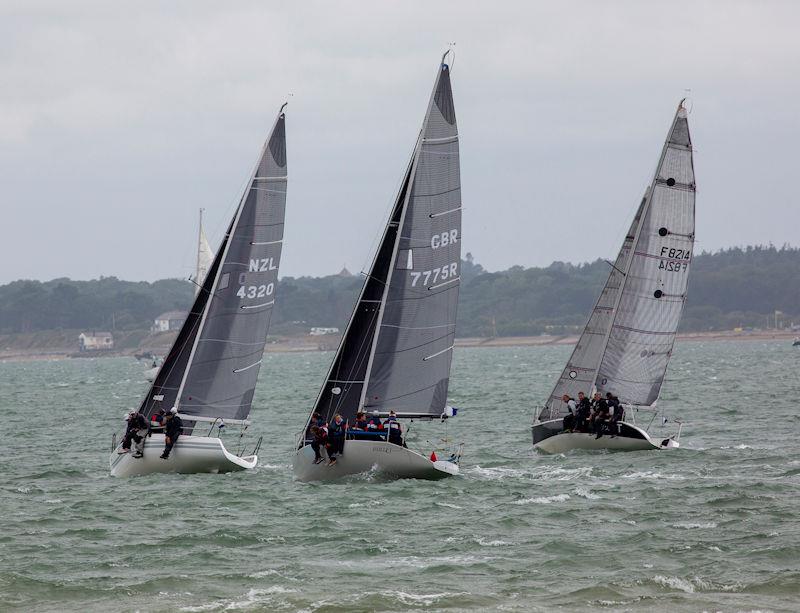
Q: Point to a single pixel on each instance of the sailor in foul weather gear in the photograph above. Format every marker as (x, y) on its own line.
(336, 434)
(320, 434)
(395, 432)
(172, 431)
(374, 422)
(134, 432)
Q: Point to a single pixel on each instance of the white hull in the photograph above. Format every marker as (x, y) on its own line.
(567, 441)
(363, 456)
(191, 454)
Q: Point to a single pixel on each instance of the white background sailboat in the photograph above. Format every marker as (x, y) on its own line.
(627, 343)
(396, 351)
(210, 372)
(205, 257)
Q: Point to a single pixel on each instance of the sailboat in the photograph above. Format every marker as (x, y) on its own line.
(396, 351)
(210, 373)
(205, 257)
(628, 341)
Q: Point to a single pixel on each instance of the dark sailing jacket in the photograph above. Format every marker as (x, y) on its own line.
(174, 427)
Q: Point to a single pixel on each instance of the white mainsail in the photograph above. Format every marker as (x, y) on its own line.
(205, 256)
(628, 340)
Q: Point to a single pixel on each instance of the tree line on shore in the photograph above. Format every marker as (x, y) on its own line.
(737, 287)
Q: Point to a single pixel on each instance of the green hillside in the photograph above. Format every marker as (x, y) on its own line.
(729, 288)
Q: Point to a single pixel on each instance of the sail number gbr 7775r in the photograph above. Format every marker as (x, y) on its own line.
(258, 291)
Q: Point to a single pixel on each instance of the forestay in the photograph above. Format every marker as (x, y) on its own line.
(627, 342)
(212, 368)
(397, 349)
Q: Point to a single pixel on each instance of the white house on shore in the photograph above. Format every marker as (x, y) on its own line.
(323, 331)
(171, 320)
(95, 341)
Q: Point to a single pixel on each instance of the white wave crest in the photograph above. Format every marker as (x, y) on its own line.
(585, 493)
(692, 525)
(543, 499)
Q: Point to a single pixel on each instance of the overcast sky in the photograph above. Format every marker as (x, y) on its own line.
(118, 121)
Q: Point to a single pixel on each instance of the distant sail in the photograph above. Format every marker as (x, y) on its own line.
(396, 351)
(628, 340)
(205, 256)
(212, 368)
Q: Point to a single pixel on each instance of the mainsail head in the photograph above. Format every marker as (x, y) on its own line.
(212, 368)
(627, 343)
(397, 349)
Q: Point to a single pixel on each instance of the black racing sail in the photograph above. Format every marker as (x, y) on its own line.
(396, 351)
(212, 368)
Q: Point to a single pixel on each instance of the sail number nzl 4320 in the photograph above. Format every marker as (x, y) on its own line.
(257, 291)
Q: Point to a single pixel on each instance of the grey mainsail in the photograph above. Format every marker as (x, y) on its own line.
(396, 351)
(212, 368)
(628, 340)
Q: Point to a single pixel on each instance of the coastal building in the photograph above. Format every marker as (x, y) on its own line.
(95, 341)
(171, 320)
(323, 331)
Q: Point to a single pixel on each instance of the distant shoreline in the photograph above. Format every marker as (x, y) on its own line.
(305, 345)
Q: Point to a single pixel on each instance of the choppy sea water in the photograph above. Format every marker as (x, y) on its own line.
(712, 526)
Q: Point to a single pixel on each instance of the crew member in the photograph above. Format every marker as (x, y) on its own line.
(320, 439)
(135, 431)
(374, 422)
(336, 434)
(172, 431)
(395, 431)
